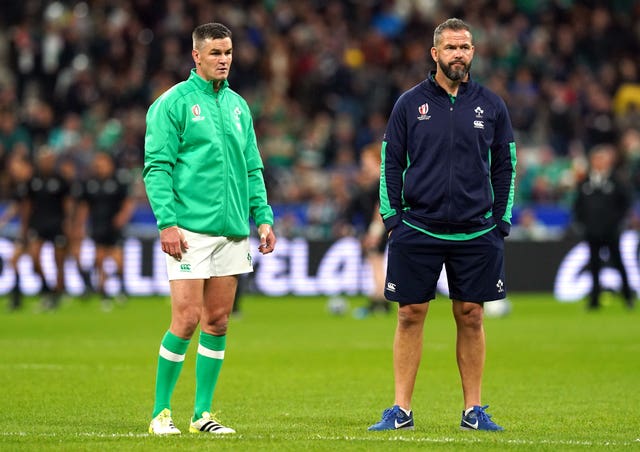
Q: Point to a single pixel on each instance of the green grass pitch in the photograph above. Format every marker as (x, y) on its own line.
(297, 378)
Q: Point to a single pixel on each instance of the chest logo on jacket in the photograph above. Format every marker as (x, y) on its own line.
(195, 110)
(423, 110)
(478, 124)
(236, 115)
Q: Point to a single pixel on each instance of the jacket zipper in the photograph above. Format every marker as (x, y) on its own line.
(225, 161)
(450, 160)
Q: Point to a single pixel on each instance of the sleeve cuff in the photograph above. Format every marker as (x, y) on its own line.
(392, 222)
(504, 228)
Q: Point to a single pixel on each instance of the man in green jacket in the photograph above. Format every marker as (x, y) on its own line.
(203, 177)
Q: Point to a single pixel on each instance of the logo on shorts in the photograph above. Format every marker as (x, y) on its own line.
(391, 287)
(249, 258)
(185, 267)
(500, 286)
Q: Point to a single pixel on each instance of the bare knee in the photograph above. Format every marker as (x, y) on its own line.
(468, 315)
(215, 322)
(185, 321)
(412, 316)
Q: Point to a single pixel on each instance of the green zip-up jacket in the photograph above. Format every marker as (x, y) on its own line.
(202, 168)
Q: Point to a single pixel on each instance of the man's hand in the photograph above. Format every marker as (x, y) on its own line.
(267, 239)
(173, 242)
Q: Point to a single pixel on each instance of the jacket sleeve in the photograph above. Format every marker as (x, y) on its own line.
(392, 167)
(503, 170)
(160, 155)
(259, 209)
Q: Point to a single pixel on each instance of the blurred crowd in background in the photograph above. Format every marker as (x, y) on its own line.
(321, 77)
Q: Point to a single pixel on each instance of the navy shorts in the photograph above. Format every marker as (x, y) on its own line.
(107, 237)
(48, 233)
(475, 268)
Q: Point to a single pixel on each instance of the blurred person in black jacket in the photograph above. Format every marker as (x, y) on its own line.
(601, 207)
(362, 214)
(20, 173)
(104, 202)
(48, 208)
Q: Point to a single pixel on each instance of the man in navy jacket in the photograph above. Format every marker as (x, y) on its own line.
(446, 193)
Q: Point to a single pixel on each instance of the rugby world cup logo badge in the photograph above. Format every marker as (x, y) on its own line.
(423, 110)
(195, 110)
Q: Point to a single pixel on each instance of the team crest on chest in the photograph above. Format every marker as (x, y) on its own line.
(196, 112)
(478, 123)
(423, 110)
(236, 116)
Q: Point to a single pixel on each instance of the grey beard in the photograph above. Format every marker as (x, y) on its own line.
(455, 75)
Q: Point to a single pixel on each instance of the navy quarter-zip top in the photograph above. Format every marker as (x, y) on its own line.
(448, 164)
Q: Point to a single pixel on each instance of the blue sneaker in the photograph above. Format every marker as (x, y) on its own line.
(394, 419)
(478, 419)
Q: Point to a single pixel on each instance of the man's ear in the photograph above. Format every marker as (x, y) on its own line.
(434, 54)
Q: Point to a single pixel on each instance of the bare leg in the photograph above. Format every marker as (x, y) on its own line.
(116, 254)
(470, 349)
(34, 250)
(376, 261)
(219, 294)
(16, 292)
(186, 306)
(407, 351)
(59, 253)
(377, 299)
(99, 263)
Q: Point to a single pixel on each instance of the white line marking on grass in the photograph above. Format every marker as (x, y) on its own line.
(373, 438)
(34, 366)
(103, 435)
(471, 440)
(77, 435)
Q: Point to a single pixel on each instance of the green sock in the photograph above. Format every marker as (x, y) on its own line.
(170, 360)
(208, 365)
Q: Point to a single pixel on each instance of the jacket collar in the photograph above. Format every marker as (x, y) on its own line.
(464, 86)
(204, 85)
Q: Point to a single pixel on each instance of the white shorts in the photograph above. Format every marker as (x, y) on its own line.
(209, 256)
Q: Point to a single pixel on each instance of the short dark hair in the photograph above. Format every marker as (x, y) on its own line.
(454, 24)
(211, 30)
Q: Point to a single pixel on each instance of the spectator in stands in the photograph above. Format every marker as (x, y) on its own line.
(630, 148)
(326, 59)
(67, 135)
(14, 141)
(529, 227)
(601, 208)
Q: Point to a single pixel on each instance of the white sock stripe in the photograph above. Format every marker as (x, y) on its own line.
(170, 356)
(215, 354)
